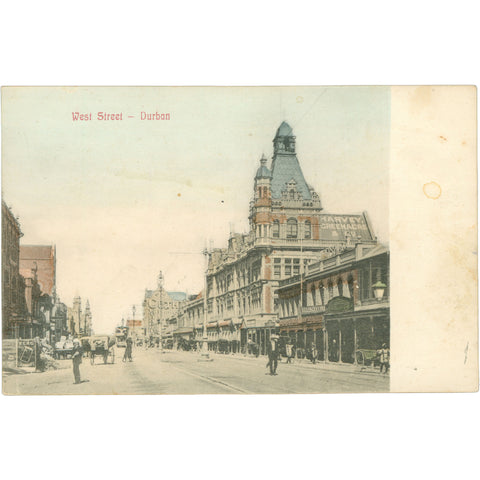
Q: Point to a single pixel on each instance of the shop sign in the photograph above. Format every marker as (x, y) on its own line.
(339, 305)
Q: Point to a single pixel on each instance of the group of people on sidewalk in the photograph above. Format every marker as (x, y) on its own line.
(383, 355)
(274, 354)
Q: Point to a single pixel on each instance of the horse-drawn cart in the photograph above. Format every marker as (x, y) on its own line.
(102, 346)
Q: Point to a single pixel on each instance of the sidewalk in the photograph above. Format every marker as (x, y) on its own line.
(302, 363)
(24, 370)
(9, 370)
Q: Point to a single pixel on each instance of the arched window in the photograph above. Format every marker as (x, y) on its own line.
(340, 286)
(330, 290)
(308, 229)
(276, 229)
(322, 294)
(350, 286)
(291, 228)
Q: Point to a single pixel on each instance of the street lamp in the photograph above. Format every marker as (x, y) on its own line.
(379, 290)
(205, 355)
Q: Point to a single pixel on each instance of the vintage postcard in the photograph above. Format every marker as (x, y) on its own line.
(239, 240)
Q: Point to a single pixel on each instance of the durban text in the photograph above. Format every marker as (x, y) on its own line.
(154, 116)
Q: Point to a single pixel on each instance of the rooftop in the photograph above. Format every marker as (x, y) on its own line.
(285, 168)
(284, 130)
(37, 252)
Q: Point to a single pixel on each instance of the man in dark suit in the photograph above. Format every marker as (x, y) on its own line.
(77, 354)
(272, 350)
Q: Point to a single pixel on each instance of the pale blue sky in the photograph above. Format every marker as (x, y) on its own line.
(117, 198)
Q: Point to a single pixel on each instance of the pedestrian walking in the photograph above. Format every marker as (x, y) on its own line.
(384, 355)
(128, 350)
(289, 352)
(314, 353)
(77, 354)
(272, 349)
(37, 351)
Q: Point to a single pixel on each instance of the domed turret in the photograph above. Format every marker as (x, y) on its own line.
(263, 171)
(284, 130)
(284, 141)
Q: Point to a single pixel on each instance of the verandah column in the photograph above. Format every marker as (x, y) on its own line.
(354, 341)
(339, 341)
(325, 343)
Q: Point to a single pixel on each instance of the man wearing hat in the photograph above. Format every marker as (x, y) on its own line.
(384, 354)
(77, 354)
(272, 350)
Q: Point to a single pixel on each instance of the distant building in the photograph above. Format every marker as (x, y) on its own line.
(43, 258)
(161, 309)
(59, 319)
(13, 286)
(79, 322)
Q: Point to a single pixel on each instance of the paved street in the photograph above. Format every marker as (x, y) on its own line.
(153, 372)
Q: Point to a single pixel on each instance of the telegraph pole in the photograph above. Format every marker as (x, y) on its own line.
(205, 354)
(160, 288)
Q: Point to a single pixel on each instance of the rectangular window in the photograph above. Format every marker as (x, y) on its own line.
(288, 267)
(308, 230)
(296, 266)
(276, 229)
(277, 271)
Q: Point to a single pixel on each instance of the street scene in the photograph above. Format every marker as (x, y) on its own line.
(175, 372)
(296, 300)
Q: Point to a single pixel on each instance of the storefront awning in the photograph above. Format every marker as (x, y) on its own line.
(179, 331)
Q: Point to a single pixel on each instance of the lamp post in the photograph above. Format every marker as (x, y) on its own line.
(379, 290)
(160, 288)
(205, 355)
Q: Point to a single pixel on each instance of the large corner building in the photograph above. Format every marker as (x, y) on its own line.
(288, 229)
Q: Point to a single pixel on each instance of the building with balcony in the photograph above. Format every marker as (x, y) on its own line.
(288, 229)
(340, 304)
(13, 284)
